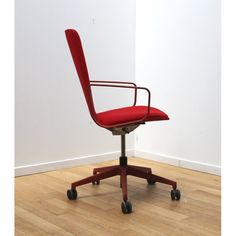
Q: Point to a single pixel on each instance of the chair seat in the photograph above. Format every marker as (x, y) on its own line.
(129, 114)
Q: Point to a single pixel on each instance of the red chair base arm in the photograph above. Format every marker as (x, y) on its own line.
(110, 171)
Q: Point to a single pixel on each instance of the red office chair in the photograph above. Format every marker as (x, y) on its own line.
(119, 121)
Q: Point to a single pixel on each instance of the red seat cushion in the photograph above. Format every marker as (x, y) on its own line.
(129, 114)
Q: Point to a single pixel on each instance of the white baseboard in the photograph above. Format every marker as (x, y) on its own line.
(54, 165)
(177, 161)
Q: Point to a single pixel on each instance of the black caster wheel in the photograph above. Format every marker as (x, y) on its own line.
(97, 182)
(126, 207)
(71, 194)
(151, 182)
(175, 194)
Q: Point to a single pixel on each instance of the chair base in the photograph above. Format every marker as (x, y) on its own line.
(138, 171)
(123, 169)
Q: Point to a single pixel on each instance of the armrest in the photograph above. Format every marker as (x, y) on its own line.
(127, 87)
(118, 82)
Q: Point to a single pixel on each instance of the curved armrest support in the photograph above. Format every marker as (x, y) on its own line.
(127, 87)
(118, 82)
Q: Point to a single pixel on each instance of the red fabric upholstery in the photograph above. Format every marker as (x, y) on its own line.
(77, 53)
(112, 117)
(129, 114)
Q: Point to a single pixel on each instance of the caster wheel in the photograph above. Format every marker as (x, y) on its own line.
(175, 194)
(97, 182)
(151, 182)
(71, 194)
(126, 207)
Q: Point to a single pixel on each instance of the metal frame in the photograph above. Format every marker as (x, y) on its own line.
(106, 84)
(123, 169)
(118, 82)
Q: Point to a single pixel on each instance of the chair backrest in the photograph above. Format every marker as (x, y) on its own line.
(77, 53)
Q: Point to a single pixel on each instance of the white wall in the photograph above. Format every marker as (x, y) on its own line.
(52, 120)
(178, 57)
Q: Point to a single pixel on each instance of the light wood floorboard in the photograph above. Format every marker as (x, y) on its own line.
(42, 207)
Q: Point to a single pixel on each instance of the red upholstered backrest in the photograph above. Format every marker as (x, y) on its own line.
(77, 53)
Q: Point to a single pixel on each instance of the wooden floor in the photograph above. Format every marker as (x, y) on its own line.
(42, 207)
